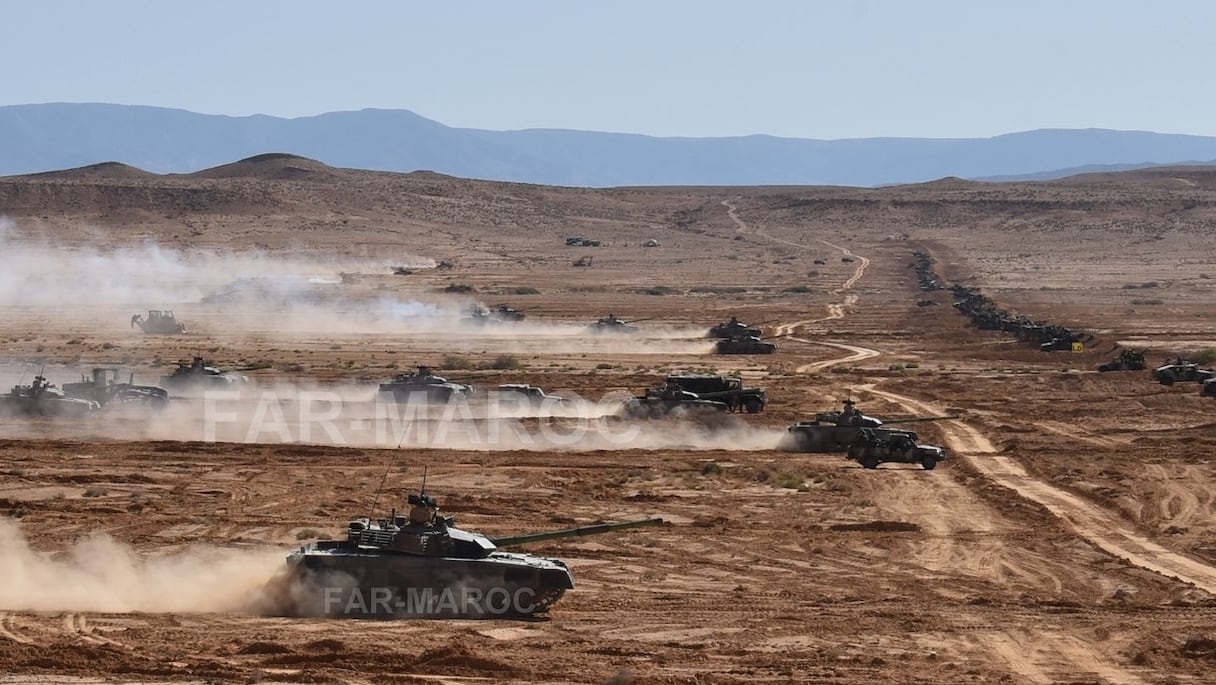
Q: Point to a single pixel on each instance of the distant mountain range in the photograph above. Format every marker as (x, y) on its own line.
(45, 137)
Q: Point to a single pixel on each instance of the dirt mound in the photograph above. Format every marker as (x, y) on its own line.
(108, 171)
(275, 166)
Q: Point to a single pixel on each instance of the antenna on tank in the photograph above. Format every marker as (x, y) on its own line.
(379, 488)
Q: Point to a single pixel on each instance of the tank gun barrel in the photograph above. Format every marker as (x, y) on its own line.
(511, 540)
(916, 419)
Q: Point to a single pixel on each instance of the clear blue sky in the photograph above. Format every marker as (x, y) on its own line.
(808, 69)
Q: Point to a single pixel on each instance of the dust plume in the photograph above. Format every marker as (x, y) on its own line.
(101, 574)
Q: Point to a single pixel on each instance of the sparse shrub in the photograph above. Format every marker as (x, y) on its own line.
(307, 534)
(605, 365)
(505, 362)
(659, 290)
(1149, 301)
(74, 341)
(797, 289)
(1204, 357)
(108, 346)
(812, 274)
(459, 288)
(289, 367)
(711, 468)
(95, 492)
(526, 290)
(452, 361)
(258, 364)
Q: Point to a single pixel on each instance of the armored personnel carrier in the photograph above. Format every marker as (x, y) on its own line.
(727, 389)
(1128, 360)
(199, 375)
(423, 385)
(836, 431)
(732, 327)
(423, 566)
(875, 446)
(744, 344)
(104, 387)
(44, 399)
(1182, 371)
(159, 322)
(670, 399)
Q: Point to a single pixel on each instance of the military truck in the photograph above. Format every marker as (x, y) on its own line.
(876, 446)
(1128, 360)
(726, 389)
(1182, 371)
(744, 344)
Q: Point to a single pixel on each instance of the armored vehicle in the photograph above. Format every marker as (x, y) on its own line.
(104, 387)
(835, 431)
(423, 566)
(874, 447)
(159, 322)
(529, 394)
(731, 328)
(199, 375)
(1128, 360)
(1182, 371)
(727, 389)
(1060, 343)
(500, 314)
(1208, 389)
(44, 399)
(744, 344)
(423, 385)
(670, 399)
(611, 324)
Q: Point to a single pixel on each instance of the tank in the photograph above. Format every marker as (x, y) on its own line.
(422, 566)
(424, 385)
(611, 324)
(500, 314)
(836, 431)
(44, 399)
(104, 387)
(670, 399)
(199, 375)
(159, 322)
(731, 328)
(744, 344)
(1127, 360)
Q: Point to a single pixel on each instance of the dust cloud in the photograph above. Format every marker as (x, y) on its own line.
(101, 574)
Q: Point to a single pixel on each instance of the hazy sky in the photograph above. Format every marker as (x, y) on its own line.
(692, 68)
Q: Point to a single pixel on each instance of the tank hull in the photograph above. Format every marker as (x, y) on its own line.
(360, 583)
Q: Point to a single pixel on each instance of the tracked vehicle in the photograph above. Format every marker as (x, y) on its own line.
(744, 344)
(670, 400)
(104, 388)
(731, 328)
(727, 389)
(422, 566)
(423, 385)
(159, 322)
(611, 324)
(836, 431)
(44, 399)
(199, 375)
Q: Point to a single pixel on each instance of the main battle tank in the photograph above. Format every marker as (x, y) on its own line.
(611, 324)
(422, 566)
(670, 399)
(732, 327)
(744, 344)
(836, 431)
(44, 399)
(424, 385)
(199, 375)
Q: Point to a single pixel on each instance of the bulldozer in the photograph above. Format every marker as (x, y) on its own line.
(104, 387)
(159, 322)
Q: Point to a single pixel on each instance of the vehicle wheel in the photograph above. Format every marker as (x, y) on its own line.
(1166, 380)
(753, 406)
(929, 463)
(869, 462)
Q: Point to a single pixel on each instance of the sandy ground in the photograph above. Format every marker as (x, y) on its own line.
(1066, 539)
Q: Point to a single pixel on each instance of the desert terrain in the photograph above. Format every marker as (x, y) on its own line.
(1066, 539)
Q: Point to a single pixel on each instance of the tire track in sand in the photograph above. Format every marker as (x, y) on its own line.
(1103, 528)
(8, 630)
